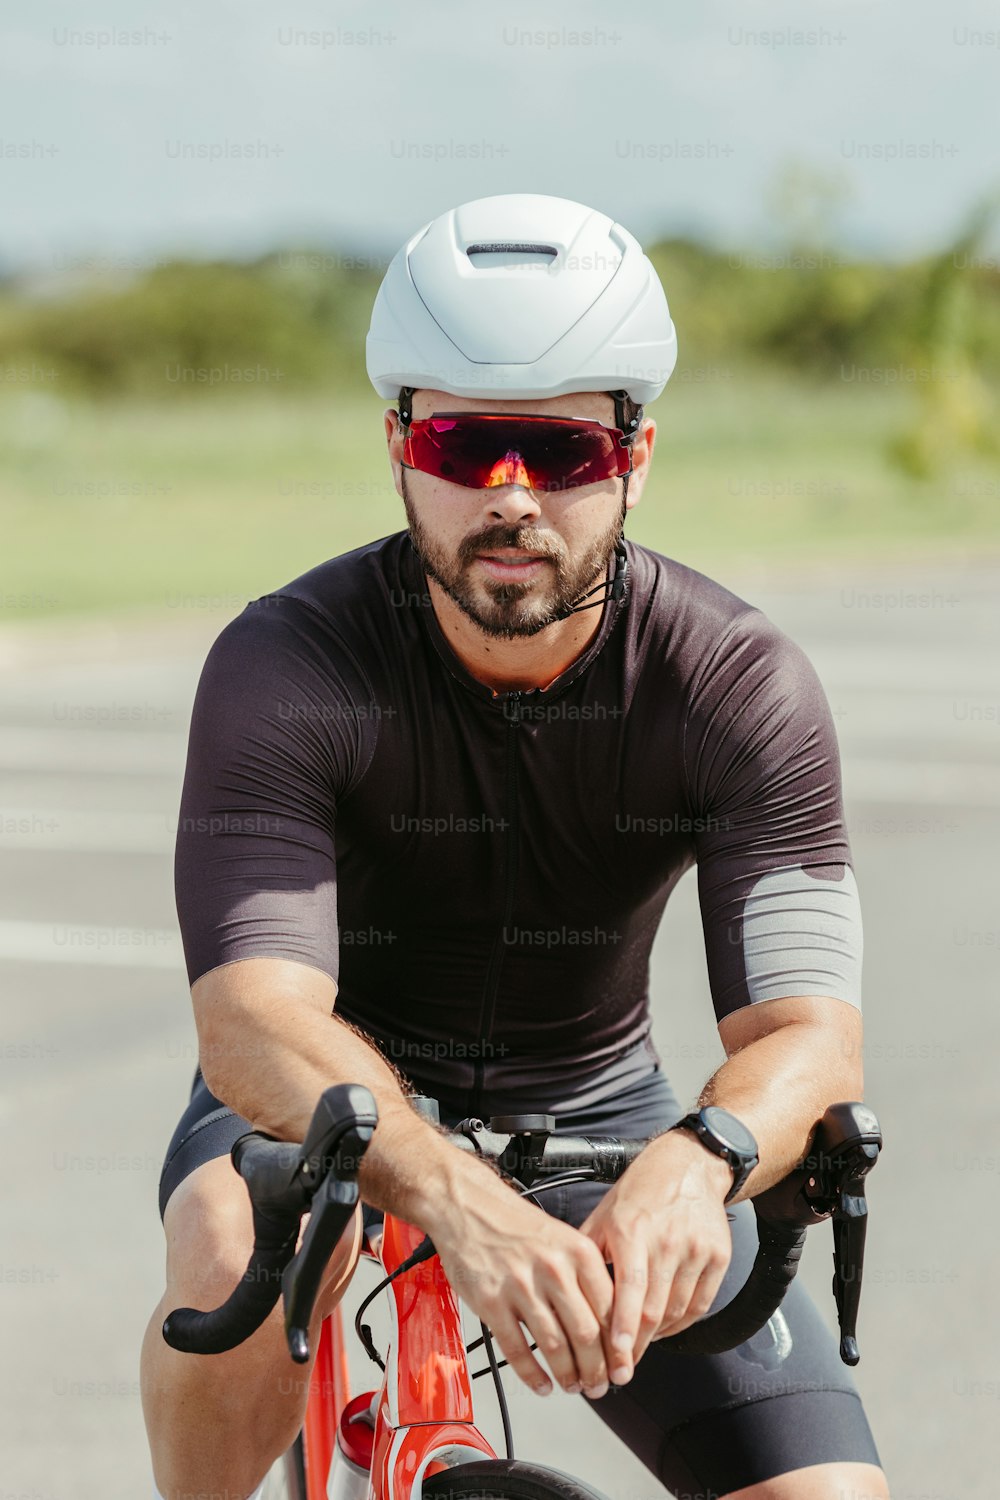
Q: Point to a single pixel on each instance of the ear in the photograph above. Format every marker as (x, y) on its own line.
(394, 442)
(642, 457)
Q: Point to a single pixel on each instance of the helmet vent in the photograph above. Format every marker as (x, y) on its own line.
(508, 253)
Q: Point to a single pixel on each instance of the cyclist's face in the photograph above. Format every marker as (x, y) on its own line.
(469, 539)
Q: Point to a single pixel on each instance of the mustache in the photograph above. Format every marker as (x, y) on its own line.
(521, 539)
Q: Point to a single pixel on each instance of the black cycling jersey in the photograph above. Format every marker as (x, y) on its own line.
(484, 874)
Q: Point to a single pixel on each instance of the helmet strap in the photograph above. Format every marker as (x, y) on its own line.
(614, 589)
(628, 416)
(628, 419)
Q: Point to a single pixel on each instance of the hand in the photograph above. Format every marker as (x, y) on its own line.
(513, 1263)
(664, 1229)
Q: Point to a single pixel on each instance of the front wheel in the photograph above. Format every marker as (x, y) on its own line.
(506, 1479)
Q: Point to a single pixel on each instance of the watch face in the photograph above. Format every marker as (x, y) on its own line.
(730, 1130)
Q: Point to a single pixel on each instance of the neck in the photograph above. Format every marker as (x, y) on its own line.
(523, 663)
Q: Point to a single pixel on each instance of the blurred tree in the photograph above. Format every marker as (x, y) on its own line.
(956, 412)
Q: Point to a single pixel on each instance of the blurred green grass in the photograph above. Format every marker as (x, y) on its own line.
(205, 430)
(123, 505)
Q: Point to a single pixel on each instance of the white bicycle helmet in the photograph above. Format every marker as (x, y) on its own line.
(522, 295)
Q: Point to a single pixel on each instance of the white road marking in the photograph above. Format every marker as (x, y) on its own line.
(941, 783)
(961, 669)
(87, 750)
(65, 831)
(867, 779)
(79, 943)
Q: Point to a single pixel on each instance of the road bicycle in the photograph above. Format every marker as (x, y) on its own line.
(415, 1438)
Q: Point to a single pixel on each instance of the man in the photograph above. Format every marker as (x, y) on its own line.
(489, 747)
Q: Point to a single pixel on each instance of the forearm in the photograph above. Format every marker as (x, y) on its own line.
(269, 1051)
(782, 1083)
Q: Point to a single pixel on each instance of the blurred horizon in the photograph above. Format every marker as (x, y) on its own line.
(802, 237)
(199, 208)
(249, 130)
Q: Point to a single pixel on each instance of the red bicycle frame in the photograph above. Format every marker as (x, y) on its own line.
(423, 1417)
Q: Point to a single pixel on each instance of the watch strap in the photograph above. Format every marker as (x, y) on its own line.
(740, 1165)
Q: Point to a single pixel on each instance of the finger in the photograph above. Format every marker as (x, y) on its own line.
(584, 1339)
(595, 1278)
(691, 1295)
(551, 1334)
(509, 1335)
(632, 1293)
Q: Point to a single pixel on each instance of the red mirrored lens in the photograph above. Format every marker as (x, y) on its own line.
(542, 453)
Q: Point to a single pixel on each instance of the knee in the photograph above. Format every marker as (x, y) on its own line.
(846, 1481)
(341, 1266)
(208, 1225)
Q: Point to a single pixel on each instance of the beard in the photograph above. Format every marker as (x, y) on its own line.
(515, 610)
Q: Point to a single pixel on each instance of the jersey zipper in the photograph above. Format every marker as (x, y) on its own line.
(512, 712)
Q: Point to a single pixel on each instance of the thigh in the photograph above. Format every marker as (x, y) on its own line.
(707, 1425)
(206, 1212)
(206, 1130)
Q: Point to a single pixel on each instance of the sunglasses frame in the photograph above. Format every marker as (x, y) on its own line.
(623, 439)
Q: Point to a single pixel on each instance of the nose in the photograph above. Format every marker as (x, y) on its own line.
(511, 503)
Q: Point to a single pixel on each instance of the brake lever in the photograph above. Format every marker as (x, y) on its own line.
(333, 1155)
(845, 1150)
(332, 1207)
(830, 1184)
(338, 1107)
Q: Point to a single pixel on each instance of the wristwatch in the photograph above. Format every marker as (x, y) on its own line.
(726, 1136)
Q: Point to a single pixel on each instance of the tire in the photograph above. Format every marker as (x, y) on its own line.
(506, 1479)
(286, 1480)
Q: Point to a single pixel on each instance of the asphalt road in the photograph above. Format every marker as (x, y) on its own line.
(98, 1044)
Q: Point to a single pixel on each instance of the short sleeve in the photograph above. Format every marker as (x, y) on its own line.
(779, 902)
(277, 736)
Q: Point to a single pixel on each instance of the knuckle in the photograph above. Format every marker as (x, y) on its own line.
(548, 1263)
(635, 1275)
(587, 1256)
(517, 1286)
(583, 1333)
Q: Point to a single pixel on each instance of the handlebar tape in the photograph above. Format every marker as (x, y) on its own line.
(269, 1167)
(778, 1254)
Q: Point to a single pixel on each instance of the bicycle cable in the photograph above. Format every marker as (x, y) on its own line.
(495, 1365)
(423, 1252)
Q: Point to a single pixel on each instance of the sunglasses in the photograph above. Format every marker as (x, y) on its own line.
(540, 453)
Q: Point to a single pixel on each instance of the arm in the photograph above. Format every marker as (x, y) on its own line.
(783, 942)
(269, 1046)
(787, 1061)
(664, 1226)
(256, 898)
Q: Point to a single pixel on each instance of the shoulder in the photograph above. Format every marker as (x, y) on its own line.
(357, 587)
(321, 619)
(675, 590)
(703, 628)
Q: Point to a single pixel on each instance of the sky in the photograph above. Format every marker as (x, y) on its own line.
(130, 133)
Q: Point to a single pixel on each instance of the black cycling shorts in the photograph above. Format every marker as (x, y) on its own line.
(705, 1425)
